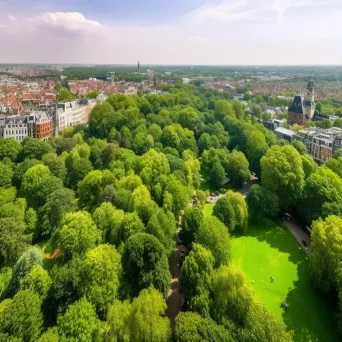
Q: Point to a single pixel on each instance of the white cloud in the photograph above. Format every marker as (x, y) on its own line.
(198, 39)
(12, 18)
(224, 12)
(73, 22)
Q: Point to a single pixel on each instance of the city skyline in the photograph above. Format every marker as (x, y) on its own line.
(236, 32)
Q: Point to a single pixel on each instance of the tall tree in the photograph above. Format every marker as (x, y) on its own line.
(282, 173)
(145, 263)
(213, 235)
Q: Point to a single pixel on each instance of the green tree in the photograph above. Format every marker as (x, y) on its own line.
(309, 165)
(191, 221)
(213, 235)
(33, 256)
(37, 184)
(162, 225)
(101, 272)
(282, 173)
(238, 169)
(148, 317)
(34, 148)
(9, 148)
(190, 326)
(79, 323)
(38, 281)
(50, 335)
(56, 164)
(325, 253)
(240, 210)
(195, 279)
(65, 95)
(92, 94)
(300, 147)
(222, 109)
(58, 203)
(13, 240)
(21, 317)
(143, 320)
(6, 175)
(232, 297)
(262, 203)
(76, 234)
(217, 175)
(145, 263)
(224, 211)
(322, 195)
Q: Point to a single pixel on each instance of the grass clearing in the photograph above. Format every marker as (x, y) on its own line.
(208, 209)
(271, 251)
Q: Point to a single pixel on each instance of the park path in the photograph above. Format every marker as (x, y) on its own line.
(175, 298)
(295, 228)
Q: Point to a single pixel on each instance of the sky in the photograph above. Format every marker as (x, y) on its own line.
(192, 32)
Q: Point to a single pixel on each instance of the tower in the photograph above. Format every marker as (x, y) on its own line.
(309, 101)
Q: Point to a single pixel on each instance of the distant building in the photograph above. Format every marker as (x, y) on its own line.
(186, 80)
(283, 133)
(35, 124)
(70, 114)
(303, 107)
(131, 91)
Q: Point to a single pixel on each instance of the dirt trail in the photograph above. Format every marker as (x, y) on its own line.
(175, 298)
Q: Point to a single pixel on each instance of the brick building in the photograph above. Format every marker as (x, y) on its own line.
(302, 108)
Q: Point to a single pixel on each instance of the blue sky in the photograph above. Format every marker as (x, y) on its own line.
(172, 32)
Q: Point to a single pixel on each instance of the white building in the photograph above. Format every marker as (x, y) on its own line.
(131, 91)
(186, 80)
(70, 114)
(16, 127)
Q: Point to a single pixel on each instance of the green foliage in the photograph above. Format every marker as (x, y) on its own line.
(145, 263)
(64, 95)
(232, 297)
(300, 147)
(34, 148)
(58, 203)
(79, 323)
(238, 169)
(190, 326)
(217, 175)
(51, 335)
(13, 240)
(9, 148)
(101, 271)
(5, 278)
(21, 316)
(262, 203)
(322, 195)
(282, 173)
(309, 165)
(143, 320)
(6, 175)
(38, 281)
(240, 210)
(191, 221)
(213, 235)
(56, 164)
(32, 257)
(195, 279)
(325, 253)
(224, 211)
(76, 234)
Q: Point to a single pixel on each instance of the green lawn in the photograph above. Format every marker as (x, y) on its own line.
(271, 250)
(208, 209)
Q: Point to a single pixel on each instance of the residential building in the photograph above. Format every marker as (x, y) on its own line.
(35, 124)
(284, 133)
(131, 91)
(70, 114)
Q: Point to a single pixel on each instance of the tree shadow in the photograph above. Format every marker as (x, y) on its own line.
(305, 302)
(278, 237)
(309, 315)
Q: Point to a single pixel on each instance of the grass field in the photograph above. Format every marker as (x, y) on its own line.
(208, 209)
(271, 250)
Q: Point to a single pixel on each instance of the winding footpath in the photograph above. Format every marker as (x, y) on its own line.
(175, 298)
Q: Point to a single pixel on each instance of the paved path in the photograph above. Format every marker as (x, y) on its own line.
(297, 231)
(175, 298)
